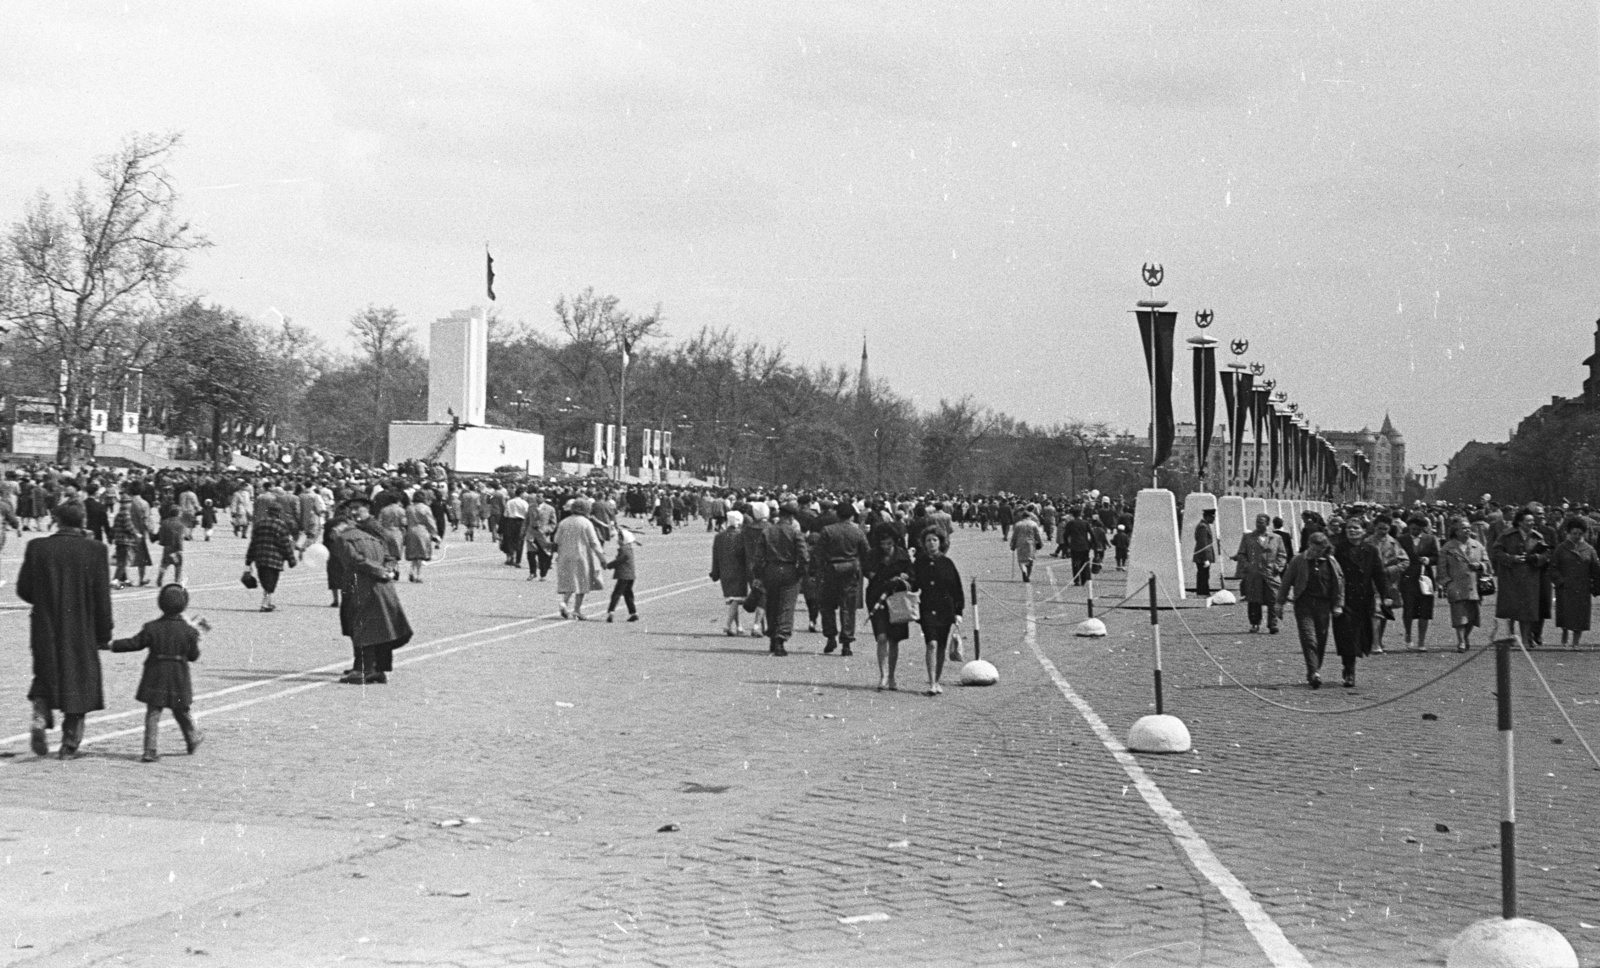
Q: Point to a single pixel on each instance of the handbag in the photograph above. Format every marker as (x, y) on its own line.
(752, 600)
(903, 607)
(955, 648)
(1485, 586)
(248, 579)
(1424, 586)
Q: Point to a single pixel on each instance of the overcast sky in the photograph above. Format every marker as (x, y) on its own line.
(1394, 201)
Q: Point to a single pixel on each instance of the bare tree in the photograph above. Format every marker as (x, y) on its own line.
(82, 285)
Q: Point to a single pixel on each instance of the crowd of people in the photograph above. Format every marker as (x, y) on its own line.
(836, 554)
(1352, 571)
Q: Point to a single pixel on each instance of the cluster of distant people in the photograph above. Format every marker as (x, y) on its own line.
(1352, 571)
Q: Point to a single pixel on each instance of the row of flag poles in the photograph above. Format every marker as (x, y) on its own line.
(1290, 459)
(611, 448)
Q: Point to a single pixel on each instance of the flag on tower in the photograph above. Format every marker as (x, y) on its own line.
(489, 270)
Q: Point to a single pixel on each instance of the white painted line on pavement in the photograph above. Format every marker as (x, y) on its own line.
(336, 666)
(413, 660)
(1278, 949)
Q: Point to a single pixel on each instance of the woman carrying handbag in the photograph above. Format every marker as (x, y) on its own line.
(888, 574)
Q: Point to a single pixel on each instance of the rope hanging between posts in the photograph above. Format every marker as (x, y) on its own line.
(1559, 708)
(1471, 658)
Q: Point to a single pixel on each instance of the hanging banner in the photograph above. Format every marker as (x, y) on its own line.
(1273, 427)
(130, 421)
(622, 449)
(99, 421)
(599, 445)
(1205, 399)
(1156, 327)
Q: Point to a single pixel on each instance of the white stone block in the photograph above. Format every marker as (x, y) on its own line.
(1155, 542)
(979, 672)
(1231, 526)
(458, 368)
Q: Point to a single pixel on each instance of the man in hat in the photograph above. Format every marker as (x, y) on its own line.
(781, 558)
(369, 611)
(65, 578)
(1205, 551)
(843, 549)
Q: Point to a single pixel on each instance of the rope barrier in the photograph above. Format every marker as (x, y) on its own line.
(1069, 618)
(1559, 708)
(1473, 657)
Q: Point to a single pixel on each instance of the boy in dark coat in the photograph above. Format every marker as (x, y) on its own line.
(173, 644)
(622, 565)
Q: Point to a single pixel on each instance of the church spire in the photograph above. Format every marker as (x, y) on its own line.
(864, 382)
(1388, 425)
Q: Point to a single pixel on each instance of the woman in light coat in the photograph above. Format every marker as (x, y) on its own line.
(579, 559)
(1462, 561)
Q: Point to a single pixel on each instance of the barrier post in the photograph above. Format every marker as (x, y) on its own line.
(1159, 733)
(1508, 939)
(978, 672)
(977, 647)
(1155, 631)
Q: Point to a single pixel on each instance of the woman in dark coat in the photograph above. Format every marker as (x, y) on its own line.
(888, 571)
(271, 549)
(370, 613)
(938, 583)
(1576, 571)
(337, 522)
(1366, 586)
(1520, 558)
(730, 567)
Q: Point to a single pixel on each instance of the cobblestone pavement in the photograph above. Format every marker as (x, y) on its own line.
(503, 800)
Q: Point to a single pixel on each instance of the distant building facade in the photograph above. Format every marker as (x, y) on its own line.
(1385, 449)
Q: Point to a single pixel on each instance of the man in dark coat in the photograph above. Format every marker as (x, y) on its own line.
(66, 578)
(842, 553)
(370, 611)
(1076, 536)
(1205, 551)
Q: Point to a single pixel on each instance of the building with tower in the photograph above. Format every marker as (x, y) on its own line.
(1385, 449)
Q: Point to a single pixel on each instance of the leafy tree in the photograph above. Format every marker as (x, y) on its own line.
(82, 284)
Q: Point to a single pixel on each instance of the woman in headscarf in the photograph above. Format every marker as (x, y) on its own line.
(1520, 557)
(729, 566)
(271, 549)
(420, 535)
(579, 559)
(888, 571)
(1366, 585)
(1576, 571)
(1462, 561)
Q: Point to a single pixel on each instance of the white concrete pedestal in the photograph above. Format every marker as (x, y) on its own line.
(1230, 530)
(1510, 943)
(1155, 542)
(1159, 734)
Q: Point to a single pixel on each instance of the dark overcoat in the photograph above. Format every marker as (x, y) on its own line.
(1518, 597)
(173, 644)
(370, 611)
(65, 578)
(1574, 570)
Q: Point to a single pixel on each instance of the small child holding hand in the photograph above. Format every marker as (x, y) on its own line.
(622, 566)
(173, 643)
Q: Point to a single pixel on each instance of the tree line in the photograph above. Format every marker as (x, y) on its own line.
(95, 319)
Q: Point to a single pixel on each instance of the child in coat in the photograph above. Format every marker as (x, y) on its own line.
(623, 566)
(208, 518)
(170, 536)
(173, 643)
